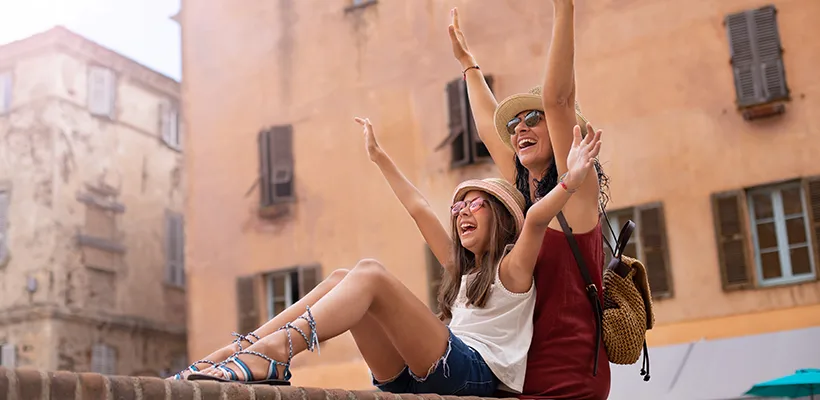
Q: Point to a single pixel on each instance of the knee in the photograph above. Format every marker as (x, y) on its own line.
(336, 276)
(370, 268)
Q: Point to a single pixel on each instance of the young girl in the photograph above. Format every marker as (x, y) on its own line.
(488, 294)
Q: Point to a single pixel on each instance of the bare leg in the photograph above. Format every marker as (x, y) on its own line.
(367, 291)
(378, 352)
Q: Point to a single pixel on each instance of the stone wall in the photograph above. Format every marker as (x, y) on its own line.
(34, 384)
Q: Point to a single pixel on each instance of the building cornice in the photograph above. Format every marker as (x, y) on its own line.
(121, 322)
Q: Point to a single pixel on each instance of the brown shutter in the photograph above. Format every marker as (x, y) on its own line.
(179, 249)
(265, 185)
(309, 277)
(741, 44)
(770, 54)
(170, 243)
(248, 307)
(655, 254)
(281, 149)
(457, 114)
(4, 227)
(731, 235)
(434, 274)
(164, 122)
(813, 191)
(754, 42)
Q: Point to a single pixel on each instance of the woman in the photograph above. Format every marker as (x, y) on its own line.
(488, 294)
(526, 135)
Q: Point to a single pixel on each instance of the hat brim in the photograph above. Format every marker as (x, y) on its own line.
(516, 208)
(518, 103)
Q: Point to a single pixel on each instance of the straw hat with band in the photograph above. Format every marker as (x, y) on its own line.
(518, 103)
(502, 190)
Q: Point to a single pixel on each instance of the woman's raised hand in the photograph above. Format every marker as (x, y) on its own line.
(370, 144)
(460, 50)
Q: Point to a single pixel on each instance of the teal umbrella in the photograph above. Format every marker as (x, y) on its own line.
(803, 383)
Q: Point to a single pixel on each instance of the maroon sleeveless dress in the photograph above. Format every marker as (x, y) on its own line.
(561, 357)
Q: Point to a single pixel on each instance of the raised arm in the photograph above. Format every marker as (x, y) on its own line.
(413, 201)
(517, 268)
(558, 95)
(482, 102)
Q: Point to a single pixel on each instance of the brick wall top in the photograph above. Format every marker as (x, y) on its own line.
(29, 384)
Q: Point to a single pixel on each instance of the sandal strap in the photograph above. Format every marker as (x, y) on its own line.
(246, 371)
(240, 338)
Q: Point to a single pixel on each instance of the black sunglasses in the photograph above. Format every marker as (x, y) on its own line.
(531, 119)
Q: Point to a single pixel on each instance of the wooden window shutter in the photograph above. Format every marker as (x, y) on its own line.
(248, 307)
(655, 253)
(479, 150)
(8, 355)
(175, 249)
(756, 56)
(281, 149)
(6, 86)
(770, 53)
(169, 124)
(309, 277)
(101, 91)
(731, 235)
(265, 181)
(457, 111)
(812, 190)
(4, 225)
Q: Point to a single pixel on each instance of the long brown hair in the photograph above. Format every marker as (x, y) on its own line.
(502, 233)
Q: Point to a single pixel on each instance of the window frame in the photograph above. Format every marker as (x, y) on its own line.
(270, 295)
(175, 256)
(111, 88)
(779, 219)
(467, 139)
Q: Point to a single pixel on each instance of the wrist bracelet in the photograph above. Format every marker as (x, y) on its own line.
(564, 185)
(464, 73)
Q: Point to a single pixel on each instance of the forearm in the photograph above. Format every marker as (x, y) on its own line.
(559, 80)
(483, 104)
(545, 209)
(409, 196)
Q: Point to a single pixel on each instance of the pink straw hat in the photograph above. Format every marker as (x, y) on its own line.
(502, 190)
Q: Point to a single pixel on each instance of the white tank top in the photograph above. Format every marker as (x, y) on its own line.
(501, 331)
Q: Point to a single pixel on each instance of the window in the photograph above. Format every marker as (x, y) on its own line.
(175, 249)
(169, 125)
(434, 274)
(8, 355)
(102, 90)
(4, 212)
(465, 146)
(778, 245)
(756, 56)
(276, 165)
(6, 86)
(780, 234)
(647, 243)
(104, 359)
(281, 289)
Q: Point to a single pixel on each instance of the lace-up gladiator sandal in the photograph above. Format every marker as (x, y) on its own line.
(272, 376)
(239, 339)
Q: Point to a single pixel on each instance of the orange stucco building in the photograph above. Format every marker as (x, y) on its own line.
(279, 182)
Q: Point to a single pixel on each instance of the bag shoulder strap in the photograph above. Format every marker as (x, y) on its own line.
(591, 289)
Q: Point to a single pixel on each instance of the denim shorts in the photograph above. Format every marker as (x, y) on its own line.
(461, 371)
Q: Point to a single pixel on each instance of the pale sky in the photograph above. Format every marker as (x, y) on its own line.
(139, 29)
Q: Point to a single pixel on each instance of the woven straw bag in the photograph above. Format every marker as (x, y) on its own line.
(627, 311)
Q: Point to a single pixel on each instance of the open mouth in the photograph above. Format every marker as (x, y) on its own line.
(525, 143)
(467, 228)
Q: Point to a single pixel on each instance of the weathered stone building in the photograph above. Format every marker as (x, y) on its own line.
(91, 198)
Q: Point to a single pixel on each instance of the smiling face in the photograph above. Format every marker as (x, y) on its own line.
(474, 221)
(530, 139)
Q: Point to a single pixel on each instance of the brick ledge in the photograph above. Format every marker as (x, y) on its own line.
(30, 384)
